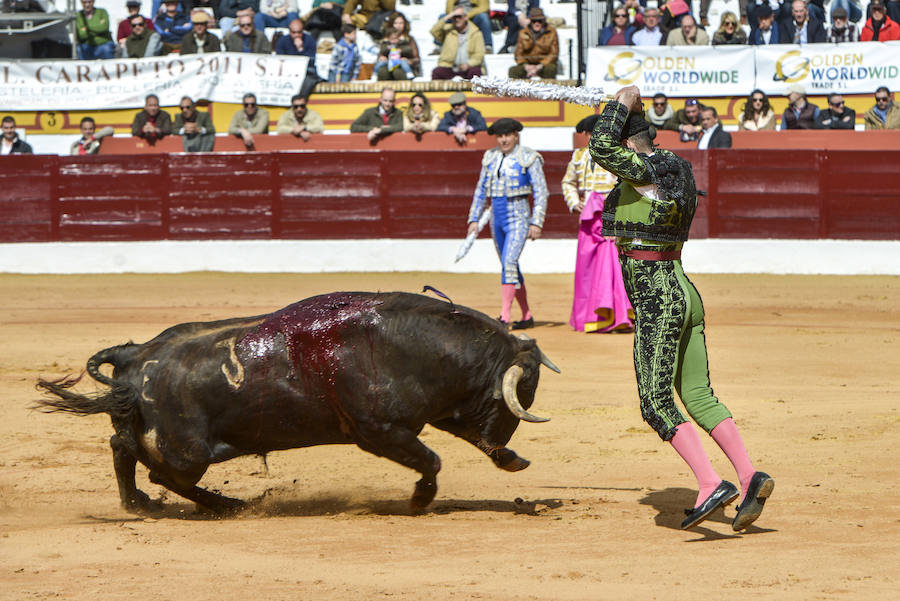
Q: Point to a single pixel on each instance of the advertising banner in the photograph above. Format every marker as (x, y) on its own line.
(857, 68)
(123, 83)
(673, 70)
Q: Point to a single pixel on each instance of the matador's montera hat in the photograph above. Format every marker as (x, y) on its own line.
(504, 126)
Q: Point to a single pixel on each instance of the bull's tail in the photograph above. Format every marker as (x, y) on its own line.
(120, 401)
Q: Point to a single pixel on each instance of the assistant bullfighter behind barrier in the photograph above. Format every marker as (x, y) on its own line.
(348, 367)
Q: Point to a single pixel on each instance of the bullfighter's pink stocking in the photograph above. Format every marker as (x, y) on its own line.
(522, 298)
(507, 294)
(729, 440)
(687, 442)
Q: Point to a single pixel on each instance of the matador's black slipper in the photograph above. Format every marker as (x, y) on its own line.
(523, 324)
(725, 493)
(761, 487)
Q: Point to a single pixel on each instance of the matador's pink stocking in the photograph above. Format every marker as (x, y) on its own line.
(729, 440)
(687, 442)
(507, 294)
(522, 298)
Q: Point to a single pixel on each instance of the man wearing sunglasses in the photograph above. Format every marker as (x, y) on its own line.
(885, 114)
(249, 121)
(142, 41)
(195, 128)
(837, 115)
(880, 27)
(247, 38)
(300, 121)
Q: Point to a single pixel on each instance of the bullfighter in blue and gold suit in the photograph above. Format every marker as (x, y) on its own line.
(510, 173)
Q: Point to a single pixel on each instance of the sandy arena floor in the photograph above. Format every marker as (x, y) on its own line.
(809, 366)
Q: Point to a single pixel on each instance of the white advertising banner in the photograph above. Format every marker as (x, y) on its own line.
(673, 70)
(857, 68)
(123, 83)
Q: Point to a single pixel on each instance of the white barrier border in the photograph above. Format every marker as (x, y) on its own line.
(838, 257)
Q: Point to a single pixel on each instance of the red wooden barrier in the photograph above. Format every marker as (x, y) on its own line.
(413, 194)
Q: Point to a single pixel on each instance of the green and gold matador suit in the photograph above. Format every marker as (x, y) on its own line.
(650, 212)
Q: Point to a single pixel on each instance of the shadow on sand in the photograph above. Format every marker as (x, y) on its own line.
(670, 504)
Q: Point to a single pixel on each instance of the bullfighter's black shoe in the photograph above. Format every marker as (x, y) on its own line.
(523, 324)
(725, 493)
(761, 487)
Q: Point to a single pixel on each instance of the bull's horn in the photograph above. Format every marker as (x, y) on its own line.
(510, 382)
(546, 361)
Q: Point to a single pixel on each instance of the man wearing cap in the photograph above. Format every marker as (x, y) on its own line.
(510, 173)
(199, 40)
(801, 28)
(686, 121)
(841, 29)
(599, 300)
(650, 212)
(879, 27)
(799, 114)
(766, 31)
(461, 120)
(134, 8)
(537, 49)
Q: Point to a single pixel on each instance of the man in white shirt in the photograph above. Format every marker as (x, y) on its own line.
(712, 136)
(650, 34)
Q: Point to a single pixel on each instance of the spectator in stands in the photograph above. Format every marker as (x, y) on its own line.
(399, 22)
(325, 16)
(462, 50)
(766, 31)
(672, 12)
(837, 115)
(712, 134)
(841, 29)
(210, 7)
(172, 26)
(275, 13)
(141, 42)
(879, 27)
(477, 12)
(688, 34)
(686, 121)
(195, 128)
(892, 8)
(379, 121)
(651, 33)
(247, 38)
(662, 111)
(729, 31)
(250, 120)
(134, 8)
(394, 58)
(461, 120)
(515, 20)
(345, 56)
(300, 43)
(89, 142)
(885, 114)
(92, 33)
(300, 121)
(419, 117)
(200, 40)
(230, 10)
(537, 49)
(151, 123)
(619, 32)
(801, 28)
(799, 114)
(360, 12)
(850, 8)
(757, 114)
(11, 143)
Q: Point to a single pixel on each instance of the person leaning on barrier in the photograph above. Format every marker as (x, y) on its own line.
(662, 111)
(537, 50)
(89, 142)
(757, 114)
(379, 121)
(249, 120)
(195, 128)
(837, 115)
(461, 120)
(11, 143)
(686, 121)
(300, 121)
(151, 123)
(799, 114)
(712, 135)
(200, 40)
(885, 114)
(420, 117)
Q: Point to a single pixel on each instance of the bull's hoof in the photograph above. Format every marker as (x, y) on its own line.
(506, 459)
(223, 506)
(142, 504)
(422, 496)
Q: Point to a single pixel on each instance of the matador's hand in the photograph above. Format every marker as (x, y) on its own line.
(473, 228)
(630, 96)
(534, 232)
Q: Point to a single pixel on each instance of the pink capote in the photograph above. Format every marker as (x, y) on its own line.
(600, 303)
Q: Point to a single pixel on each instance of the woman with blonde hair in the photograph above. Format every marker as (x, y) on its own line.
(729, 31)
(757, 113)
(419, 118)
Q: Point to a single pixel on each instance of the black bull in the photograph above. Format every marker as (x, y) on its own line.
(348, 367)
